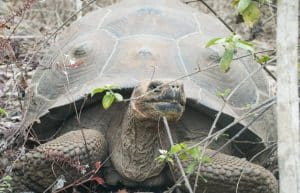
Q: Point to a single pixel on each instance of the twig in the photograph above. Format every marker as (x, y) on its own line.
(219, 114)
(236, 121)
(215, 13)
(255, 55)
(247, 78)
(244, 128)
(210, 66)
(259, 52)
(255, 156)
(58, 29)
(266, 69)
(18, 13)
(177, 183)
(228, 27)
(187, 183)
(267, 4)
(77, 114)
(22, 37)
(213, 126)
(79, 7)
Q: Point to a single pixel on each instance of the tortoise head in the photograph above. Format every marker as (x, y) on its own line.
(155, 99)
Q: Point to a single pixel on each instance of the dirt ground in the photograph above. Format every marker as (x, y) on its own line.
(26, 44)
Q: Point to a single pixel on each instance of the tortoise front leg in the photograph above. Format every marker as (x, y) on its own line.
(226, 173)
(66, 155)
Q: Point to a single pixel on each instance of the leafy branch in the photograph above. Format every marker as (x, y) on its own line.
(263, 59)
(224, 94)
(249, 11)
(185, 154)
(230, 43)
(110, 96)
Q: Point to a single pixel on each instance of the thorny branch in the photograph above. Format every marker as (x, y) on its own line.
(245, 127)
(19, 13)
(248, 114)
(262, 107)
(219, 115)
(229, 28)
(186, 180)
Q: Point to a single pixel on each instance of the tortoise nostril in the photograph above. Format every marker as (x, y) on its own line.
(175, 87)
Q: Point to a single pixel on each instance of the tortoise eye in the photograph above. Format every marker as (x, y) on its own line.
(80, 51)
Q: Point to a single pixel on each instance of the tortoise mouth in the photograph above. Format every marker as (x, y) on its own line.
(168, 107)
(168, 102)
(172, 110)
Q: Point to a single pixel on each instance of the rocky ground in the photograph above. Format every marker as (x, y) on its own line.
(25, 41)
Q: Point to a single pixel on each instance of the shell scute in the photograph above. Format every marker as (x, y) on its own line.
(74, 64)
(145, 58)
(150, 20)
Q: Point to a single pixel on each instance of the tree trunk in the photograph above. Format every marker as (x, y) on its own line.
(287, 96)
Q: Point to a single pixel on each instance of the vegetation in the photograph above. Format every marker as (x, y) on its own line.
(191, 155)
(5, 184)
(3, 112)
(230, 45)
(110, 96)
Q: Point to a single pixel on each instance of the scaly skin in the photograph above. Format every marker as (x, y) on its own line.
(39, 168)
(226, 173)
(136, 141)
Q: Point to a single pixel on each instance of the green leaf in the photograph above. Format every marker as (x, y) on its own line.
(183, 156)
(206, 159)
(242, 5)
(251, 14)
(263, 59)
(214, 41)
(3, 112)
(245, 45)
(224, 94)
(235, 3)
(97, 90)
(118, 97)
(108, 100)
(195, 153)
(226, 59)
(191, 168)
(176, 148)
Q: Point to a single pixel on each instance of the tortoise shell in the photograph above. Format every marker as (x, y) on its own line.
(138, 40)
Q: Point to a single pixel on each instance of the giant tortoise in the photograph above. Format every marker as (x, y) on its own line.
(154, 50)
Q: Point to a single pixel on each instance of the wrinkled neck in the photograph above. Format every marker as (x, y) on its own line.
(140, 142)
